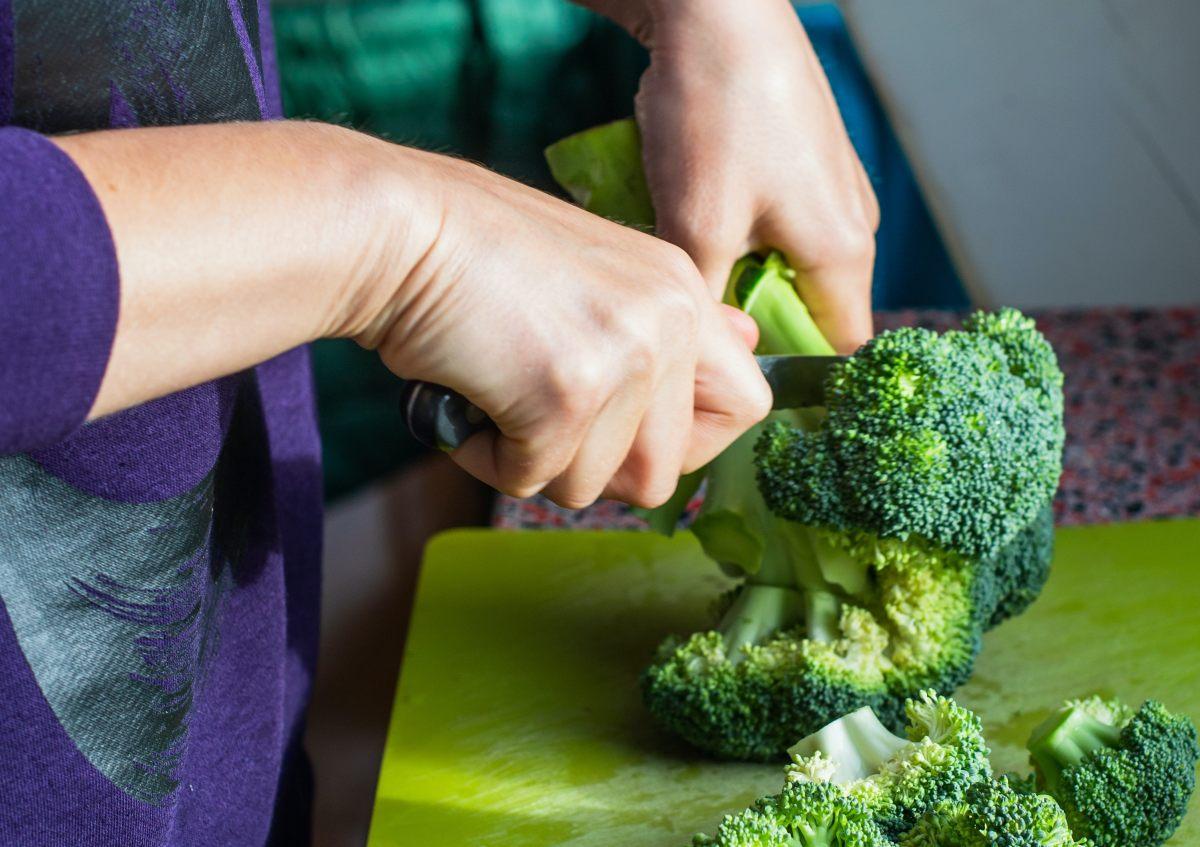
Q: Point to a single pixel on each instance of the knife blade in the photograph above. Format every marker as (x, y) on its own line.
(440, 417)
(797, 381)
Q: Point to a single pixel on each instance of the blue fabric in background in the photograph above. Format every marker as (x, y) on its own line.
(912, 268)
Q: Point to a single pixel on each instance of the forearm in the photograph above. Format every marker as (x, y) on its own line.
(238, 242)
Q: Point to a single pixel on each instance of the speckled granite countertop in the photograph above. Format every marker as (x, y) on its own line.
(1132, 414)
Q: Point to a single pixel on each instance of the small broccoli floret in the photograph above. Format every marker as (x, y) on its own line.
(992, 814)
(954, 438)
(1123, 778)
(802, 815)
(898, 779)
(1028, 355)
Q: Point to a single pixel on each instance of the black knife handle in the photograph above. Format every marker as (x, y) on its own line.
(440, 417)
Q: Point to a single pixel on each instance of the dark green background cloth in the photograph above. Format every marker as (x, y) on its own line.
(498, 80)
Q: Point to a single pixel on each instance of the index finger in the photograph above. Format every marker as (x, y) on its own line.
(731, 394)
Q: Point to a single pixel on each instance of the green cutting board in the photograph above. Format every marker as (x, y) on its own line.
(517, 722)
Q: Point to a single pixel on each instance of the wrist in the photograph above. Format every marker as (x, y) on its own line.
(388, 209)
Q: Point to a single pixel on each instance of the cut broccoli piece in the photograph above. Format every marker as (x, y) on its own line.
(1124, 778)
(992, 814)
(898, 779)
(802, 815)
(743, 703)
(776, 669)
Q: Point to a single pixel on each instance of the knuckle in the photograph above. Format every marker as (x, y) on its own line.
(640, 356)
(683, 311)
(647, 481)
(529, 473)
(758, 406)
(679, 267)
(636, 339)
(521, 482)
(575, 500)
(652, 493)
(874, 214)
(574, 386)
(519, 489)
(850, 242)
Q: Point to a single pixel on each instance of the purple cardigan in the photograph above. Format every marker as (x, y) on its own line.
(159, 567)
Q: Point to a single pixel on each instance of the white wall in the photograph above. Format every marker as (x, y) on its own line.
(1058, 141)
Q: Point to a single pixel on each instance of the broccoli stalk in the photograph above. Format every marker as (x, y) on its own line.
(850, 749)
(782, 562)
(765, 289)
(1065, 739)
(758, 611)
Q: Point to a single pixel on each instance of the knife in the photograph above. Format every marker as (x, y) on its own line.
(441, 417)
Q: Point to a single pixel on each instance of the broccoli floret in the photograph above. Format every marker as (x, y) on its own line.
(802, 815)
(898, 779)
(955, 439)
(741, 698)
(992, 814)
(1124, 778)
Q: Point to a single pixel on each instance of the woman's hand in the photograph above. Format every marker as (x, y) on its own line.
(596, 349)
(745, 148)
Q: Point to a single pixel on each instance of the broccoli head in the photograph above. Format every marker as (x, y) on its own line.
(1123, 777)
(955, 439)
(992, 814)
(898, 779)
(802, 815)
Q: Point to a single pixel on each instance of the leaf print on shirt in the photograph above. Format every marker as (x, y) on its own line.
(113, 606)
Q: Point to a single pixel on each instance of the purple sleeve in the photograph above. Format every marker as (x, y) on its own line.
(59, 291)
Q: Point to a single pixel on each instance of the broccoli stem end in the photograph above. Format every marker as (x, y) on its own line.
(1065, 739)
(857, 743)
